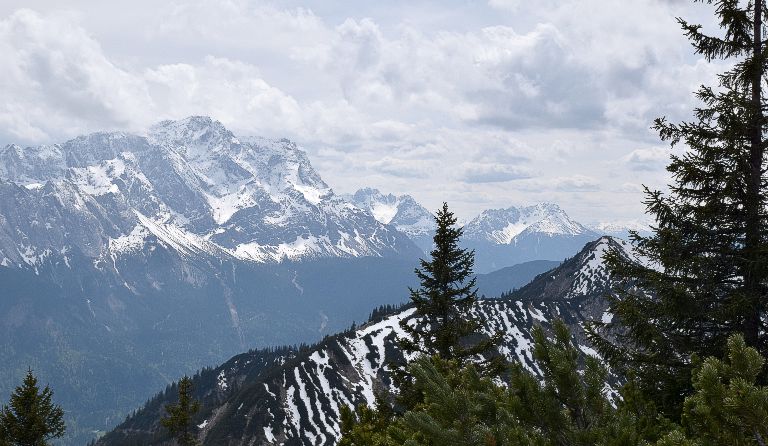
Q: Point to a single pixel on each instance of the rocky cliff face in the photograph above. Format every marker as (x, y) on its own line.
(191, 182)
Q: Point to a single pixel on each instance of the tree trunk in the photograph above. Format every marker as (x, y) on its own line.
(754, 202)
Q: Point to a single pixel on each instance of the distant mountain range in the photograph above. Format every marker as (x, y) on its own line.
(503, 237)
(500, 237)
(128, 260)
(192, 184)
(294, 396)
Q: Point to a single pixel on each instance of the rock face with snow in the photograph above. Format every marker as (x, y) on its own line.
(164, 252)
(297, 402)
(500, 237)
(402, 212)
(503, 237)
(191, 182)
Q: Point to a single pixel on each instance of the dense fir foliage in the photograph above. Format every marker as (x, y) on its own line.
(31, 418)
(707, 256)
(462, 407)
(568, 407)
(728, 408)
(179, 419)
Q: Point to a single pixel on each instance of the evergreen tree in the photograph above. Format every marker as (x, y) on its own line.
(446, 295)
(728, 407)
(179, 419)
(31, 418)
(707, 257)
(366, 426)
(569, 405)
(461, 407)
(566, 406)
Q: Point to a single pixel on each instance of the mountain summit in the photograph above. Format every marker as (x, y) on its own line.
(503, 237)
(132, 258)
(505, 226)
(402, 212)
(191, 183)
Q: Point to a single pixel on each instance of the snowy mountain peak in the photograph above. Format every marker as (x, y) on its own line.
(383, 207)
(543, 208)
(402, 211)
(592, 273)
(192, 180)
(195, 136)
(503, 226)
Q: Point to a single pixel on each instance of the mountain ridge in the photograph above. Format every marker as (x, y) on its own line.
(298, 402)
(173, 250)
(259, 201)
(501, 237)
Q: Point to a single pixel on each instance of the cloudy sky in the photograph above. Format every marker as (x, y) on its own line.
(481, 103)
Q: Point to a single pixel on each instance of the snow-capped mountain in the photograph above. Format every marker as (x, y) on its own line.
(298, 400)
(504, 226)
(500, 237)
(160, 253)
(190, 183)
(402, 212)
(503, 237)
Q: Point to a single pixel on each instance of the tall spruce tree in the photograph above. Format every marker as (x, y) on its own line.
(31, 418)
(707, 257)
(443, 300)
(179, 419)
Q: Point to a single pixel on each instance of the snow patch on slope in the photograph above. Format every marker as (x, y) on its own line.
(593, 272)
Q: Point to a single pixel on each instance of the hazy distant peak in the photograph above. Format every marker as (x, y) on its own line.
(503, 226)
(402, 211)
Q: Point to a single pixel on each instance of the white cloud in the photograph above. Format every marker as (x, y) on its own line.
(576, 183)
(492, 173)
(57, 81)
(506, 103)
(231, 91)
(650, 159)
(398, 167)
